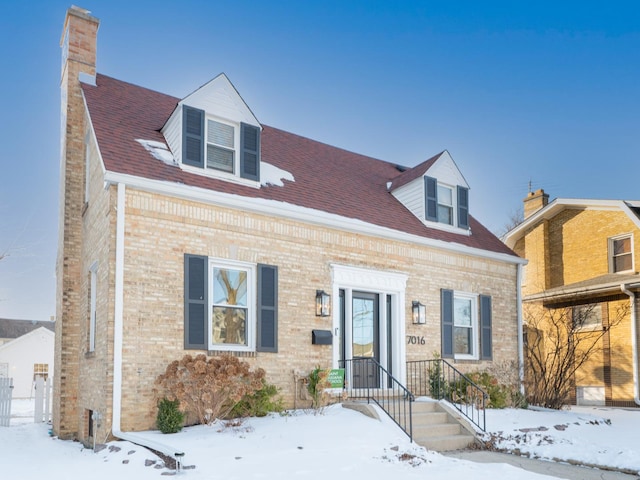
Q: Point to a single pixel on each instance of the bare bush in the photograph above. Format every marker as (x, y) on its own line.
(559, 341)
(208, 388)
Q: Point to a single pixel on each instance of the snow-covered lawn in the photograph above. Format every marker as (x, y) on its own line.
(595, 436)
(337, 444)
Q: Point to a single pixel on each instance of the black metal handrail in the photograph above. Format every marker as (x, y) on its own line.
(440, 380)
(366, 378)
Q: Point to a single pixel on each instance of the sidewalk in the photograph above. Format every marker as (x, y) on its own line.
(559, 470)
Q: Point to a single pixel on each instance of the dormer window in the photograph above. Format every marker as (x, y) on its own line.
(219, 146)
(446, 204)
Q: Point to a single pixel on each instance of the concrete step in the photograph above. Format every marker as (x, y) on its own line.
(421, 407)
(430, 418)
(436, 430)
(445, 443)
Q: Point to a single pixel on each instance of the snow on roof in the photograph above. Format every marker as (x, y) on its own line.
(327, 179)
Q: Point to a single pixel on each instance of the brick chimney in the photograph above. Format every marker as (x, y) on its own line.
(534, 201)
(78, 45)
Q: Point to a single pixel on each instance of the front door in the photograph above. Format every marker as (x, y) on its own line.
(365, 340)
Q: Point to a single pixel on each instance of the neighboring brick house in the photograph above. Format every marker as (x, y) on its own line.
(189, 227)
(583, 259)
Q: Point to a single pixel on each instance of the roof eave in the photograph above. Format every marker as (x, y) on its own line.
(296, 212)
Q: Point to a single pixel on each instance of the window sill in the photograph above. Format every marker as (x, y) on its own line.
(589, 328)
(466, 359)
(220, 175)
(447, 228)
(233, 353)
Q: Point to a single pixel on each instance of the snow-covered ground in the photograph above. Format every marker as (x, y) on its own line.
(595, 436)
(337, 444)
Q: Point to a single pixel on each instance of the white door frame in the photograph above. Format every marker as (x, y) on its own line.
(349, 278)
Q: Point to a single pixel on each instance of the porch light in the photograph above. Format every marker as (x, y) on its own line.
(323, 304)
(418, 312)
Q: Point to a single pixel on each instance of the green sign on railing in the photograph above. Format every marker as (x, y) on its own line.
(336, 377)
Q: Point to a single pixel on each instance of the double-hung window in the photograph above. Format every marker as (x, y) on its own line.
(221, 146)
(466, 325)
(621, 254)
(446, 204)
(232, 311)
(230, 305)
(216, 145)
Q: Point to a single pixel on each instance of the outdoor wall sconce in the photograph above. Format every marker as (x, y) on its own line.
(418, 312)
(323, 304)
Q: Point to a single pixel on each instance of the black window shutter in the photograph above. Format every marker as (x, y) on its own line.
(431, 199)
(485, 328)
(192, 136)
(195, 302)
(249, 152)
(446, 297)
(267, 308)
(463, 207)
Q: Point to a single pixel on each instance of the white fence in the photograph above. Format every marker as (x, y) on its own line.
(6, 391)
(42, 407)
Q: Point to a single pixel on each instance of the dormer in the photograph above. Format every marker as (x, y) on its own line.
(213, 132)
(437, 193)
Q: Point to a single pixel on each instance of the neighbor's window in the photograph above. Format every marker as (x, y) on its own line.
(231, 310)
(464, 325)
(40, 370)
(445, 205)
(587, 316)
(621, 253)
(220, 146)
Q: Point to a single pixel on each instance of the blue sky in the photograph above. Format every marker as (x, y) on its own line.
(518, 92)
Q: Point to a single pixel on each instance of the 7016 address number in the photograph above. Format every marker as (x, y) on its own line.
(415, 340)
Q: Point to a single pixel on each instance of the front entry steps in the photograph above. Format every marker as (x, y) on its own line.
(436, 429)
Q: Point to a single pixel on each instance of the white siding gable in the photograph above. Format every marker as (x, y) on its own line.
(217, 98)
(412, 195)
(22, 353)
(446, 171)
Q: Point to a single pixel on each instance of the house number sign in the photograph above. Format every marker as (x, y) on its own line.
(415, 340)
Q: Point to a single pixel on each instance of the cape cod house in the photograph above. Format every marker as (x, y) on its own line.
(188, 226)
(582, 257)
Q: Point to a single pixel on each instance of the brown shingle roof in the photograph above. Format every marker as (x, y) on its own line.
(16, 328)
(327, 178)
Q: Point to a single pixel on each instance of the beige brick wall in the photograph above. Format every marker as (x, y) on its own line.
(160, 230)
(69, 302)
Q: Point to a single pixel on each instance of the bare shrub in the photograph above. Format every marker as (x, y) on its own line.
(208, 388)
(559, 341)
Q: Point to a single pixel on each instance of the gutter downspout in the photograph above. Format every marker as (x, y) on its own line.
(117, 344)
(634, 338)
(520, 327)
